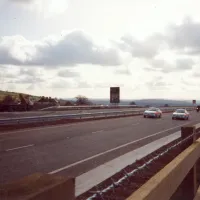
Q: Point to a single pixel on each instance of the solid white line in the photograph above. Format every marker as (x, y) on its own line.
(111, 150)
(30, 145)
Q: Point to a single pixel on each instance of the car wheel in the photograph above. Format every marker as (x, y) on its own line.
(160, 116)
(173, 118)
(144, 116)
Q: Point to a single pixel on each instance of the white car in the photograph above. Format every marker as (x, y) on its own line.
(153, 112)
(181, 114)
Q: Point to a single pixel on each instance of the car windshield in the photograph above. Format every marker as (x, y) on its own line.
(152, 109)
(180, 111)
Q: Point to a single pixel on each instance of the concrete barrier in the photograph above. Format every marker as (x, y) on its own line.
(197, 196)
(181, 170)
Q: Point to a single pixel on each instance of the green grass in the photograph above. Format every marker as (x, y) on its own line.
(14, 95)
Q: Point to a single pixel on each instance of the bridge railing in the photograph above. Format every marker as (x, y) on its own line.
(48, 118)
(180, 171)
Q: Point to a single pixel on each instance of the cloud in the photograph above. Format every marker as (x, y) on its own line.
(161, 65)
(108, 85)
(184, 64)
(47, 8)
(29, 79)
(83, 84)
(157, 83)
(16, 75)
(182, 39)
(147, 48)
(196, 74)
(185, 37)
(123, 72)
(22, 1)
(60, 84)
(30, 72)
(73, 48)
(67, 73)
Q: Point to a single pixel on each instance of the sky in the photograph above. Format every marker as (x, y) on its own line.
(65, 48)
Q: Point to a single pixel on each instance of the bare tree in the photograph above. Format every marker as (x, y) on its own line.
(69, 103)
(82, 100)
(132, 103)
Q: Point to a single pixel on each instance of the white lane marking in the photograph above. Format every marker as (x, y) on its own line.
(22, 147)
(98, 131)
(135, 124)
(111, 150)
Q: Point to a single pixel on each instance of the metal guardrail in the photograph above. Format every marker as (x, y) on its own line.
(38, 119)
(89, 107)
(97, 107)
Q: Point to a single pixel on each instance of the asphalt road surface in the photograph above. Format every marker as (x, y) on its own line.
(73, 149)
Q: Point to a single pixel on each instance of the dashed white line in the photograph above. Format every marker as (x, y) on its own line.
(111, 150)
(22, 147)
(135, 124)
(45, 128)
(98, 131)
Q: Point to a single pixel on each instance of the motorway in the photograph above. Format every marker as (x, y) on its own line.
(73, 149)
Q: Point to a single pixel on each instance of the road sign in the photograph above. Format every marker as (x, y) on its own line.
(114, 95)
(194, 101)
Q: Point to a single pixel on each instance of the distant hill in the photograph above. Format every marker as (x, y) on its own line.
(162, 102)
(145, 102)
(140, 102)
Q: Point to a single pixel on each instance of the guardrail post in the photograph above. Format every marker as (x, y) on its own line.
(189, 184)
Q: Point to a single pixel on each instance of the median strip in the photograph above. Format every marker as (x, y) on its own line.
(28, 122)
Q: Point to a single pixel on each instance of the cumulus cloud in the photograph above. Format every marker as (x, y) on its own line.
(73, 48)
(22, 1)
(179, 39)
(67, 73)
(83, 84)
(196, 74)
(157, 83)
(184, 64)
(30, 72)
(76, 83)
(29, 79)
(164, 66)
(107, 85)
(147, 48)
(185, 37)
(123, 72)
(60, 84)
(48, 8)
